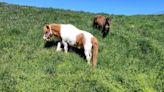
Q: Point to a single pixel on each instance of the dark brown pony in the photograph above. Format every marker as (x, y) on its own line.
(102, 23)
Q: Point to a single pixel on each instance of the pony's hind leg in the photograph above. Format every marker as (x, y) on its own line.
(65, 46)
(88, 55)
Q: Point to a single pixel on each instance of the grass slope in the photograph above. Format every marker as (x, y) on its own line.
(130, 60)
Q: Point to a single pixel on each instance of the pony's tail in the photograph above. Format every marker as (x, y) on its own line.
(94, 51)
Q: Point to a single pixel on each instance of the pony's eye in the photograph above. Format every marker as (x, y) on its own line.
(46, 32)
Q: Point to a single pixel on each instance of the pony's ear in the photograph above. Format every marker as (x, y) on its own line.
(47, 26)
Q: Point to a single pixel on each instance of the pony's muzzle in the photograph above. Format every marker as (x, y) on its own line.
(46, 38)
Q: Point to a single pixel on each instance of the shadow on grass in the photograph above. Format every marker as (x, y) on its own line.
(52, 43)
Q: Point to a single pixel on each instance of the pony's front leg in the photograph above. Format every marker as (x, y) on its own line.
(65, 46)
(59, 47)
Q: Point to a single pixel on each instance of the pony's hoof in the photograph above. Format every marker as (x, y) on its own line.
(89, 63)
(58, 50)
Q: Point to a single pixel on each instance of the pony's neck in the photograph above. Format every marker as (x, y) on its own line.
(55, 29)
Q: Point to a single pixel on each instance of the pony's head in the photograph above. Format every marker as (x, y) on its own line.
(47, 33)
(106, 27)
(50, 30)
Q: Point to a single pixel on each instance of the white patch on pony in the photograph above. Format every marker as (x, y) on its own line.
(44, 37)
(51, 32)
(106, 26)
(79, 47)
(87, 52)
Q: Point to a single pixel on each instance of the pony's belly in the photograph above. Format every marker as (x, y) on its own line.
(79, 47)
(73, 44)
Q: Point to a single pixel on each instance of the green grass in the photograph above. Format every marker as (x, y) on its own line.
(131, 58)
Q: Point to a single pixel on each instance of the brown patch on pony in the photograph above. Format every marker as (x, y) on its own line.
(80, 40)
(95, 48)
(56, 29)
(99, 20)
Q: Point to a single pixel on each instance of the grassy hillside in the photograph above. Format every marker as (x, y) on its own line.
(131, 59)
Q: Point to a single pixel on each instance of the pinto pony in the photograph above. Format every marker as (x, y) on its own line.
(100, 22)
(70, 35)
